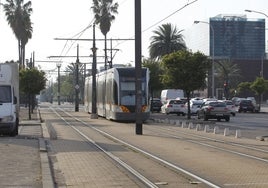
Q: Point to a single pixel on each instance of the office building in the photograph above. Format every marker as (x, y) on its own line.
(233, 38)
(237, 37)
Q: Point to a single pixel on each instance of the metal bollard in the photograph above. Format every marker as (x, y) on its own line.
(216, 130)
(226, 132)
(238, 133)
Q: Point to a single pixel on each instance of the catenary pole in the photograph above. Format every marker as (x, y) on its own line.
(138, 66)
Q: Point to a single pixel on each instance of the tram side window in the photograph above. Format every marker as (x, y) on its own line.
(115, 92)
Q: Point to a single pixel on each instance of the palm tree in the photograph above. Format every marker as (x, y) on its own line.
(167, 39)
(104, 10)
(18, 17)
(228, 75)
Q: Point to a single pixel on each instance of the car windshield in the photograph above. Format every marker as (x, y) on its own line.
(217, 104)
(229, 102)
(246, 102)
(5, 94)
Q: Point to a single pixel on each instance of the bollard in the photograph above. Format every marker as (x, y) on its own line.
(178, 123)
(166, 121)
(191, 125)
(183, 125)
(198, 127)
(206, 129)
(226, 132)
(216, 130)
(238, 133)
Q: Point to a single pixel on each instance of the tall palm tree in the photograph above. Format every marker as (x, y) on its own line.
(104, 10)
(18, 17)
(228, 75)
(167, 39)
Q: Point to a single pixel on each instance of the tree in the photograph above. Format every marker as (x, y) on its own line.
(104, 10)
(155, 70)
(243, 87)
(18, 17)
(228, 75)
(167, 39)
(185, 70)
(32, 81)
(259, 86)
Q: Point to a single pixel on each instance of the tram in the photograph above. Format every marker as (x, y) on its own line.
(116, 95)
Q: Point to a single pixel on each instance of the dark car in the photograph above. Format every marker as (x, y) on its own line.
(246, 105)
(155, 105)
(214, 110)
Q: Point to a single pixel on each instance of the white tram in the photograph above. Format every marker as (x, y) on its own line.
(116, 94)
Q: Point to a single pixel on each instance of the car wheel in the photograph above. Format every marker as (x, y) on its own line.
(218, 119)
(227, 118)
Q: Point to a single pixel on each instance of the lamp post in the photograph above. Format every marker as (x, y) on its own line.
(212, 71)
(261, 73)
(257, 12)
(94, 114)
(58, 65)
(263, 55)
(77, 81)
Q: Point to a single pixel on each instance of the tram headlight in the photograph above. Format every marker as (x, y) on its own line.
(124, 109)
(145, 108)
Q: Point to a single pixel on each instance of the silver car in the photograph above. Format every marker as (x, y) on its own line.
(214, 110)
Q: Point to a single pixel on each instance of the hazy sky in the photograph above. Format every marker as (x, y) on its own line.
(68, 18)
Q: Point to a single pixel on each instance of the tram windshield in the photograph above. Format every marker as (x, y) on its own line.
(128, 93)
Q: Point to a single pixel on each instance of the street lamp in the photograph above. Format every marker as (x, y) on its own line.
(263, 55)
(212, 71)
(77, 81)
(261, 74)
(257, 12)
(58, 65)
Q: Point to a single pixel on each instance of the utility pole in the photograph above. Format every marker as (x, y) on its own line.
(58, 65)
(138, 66)
(77, 81)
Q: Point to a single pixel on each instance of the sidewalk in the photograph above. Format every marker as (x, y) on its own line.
(23, 158)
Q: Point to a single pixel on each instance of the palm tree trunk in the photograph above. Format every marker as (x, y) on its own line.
(105, 52)
(19, 49)
(23, 55)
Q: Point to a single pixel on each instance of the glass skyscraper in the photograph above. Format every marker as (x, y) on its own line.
(237, 37)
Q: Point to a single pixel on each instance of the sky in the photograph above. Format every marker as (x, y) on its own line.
(63, 19)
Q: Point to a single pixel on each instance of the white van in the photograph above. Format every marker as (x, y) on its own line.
(9, 98)
(167, 94)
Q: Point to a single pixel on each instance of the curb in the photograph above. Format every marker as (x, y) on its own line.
(47, 178)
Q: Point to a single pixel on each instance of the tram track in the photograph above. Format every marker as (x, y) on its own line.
(246, 150)
(161, 164)
(177, 161)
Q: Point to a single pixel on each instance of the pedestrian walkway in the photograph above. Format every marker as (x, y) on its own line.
(20, 157)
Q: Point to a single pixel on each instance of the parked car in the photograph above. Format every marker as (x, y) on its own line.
(214, 110)
(231, 106)
(155, 105)
(174, 106)
(246, 105)
(195, 105)
(254, 103)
